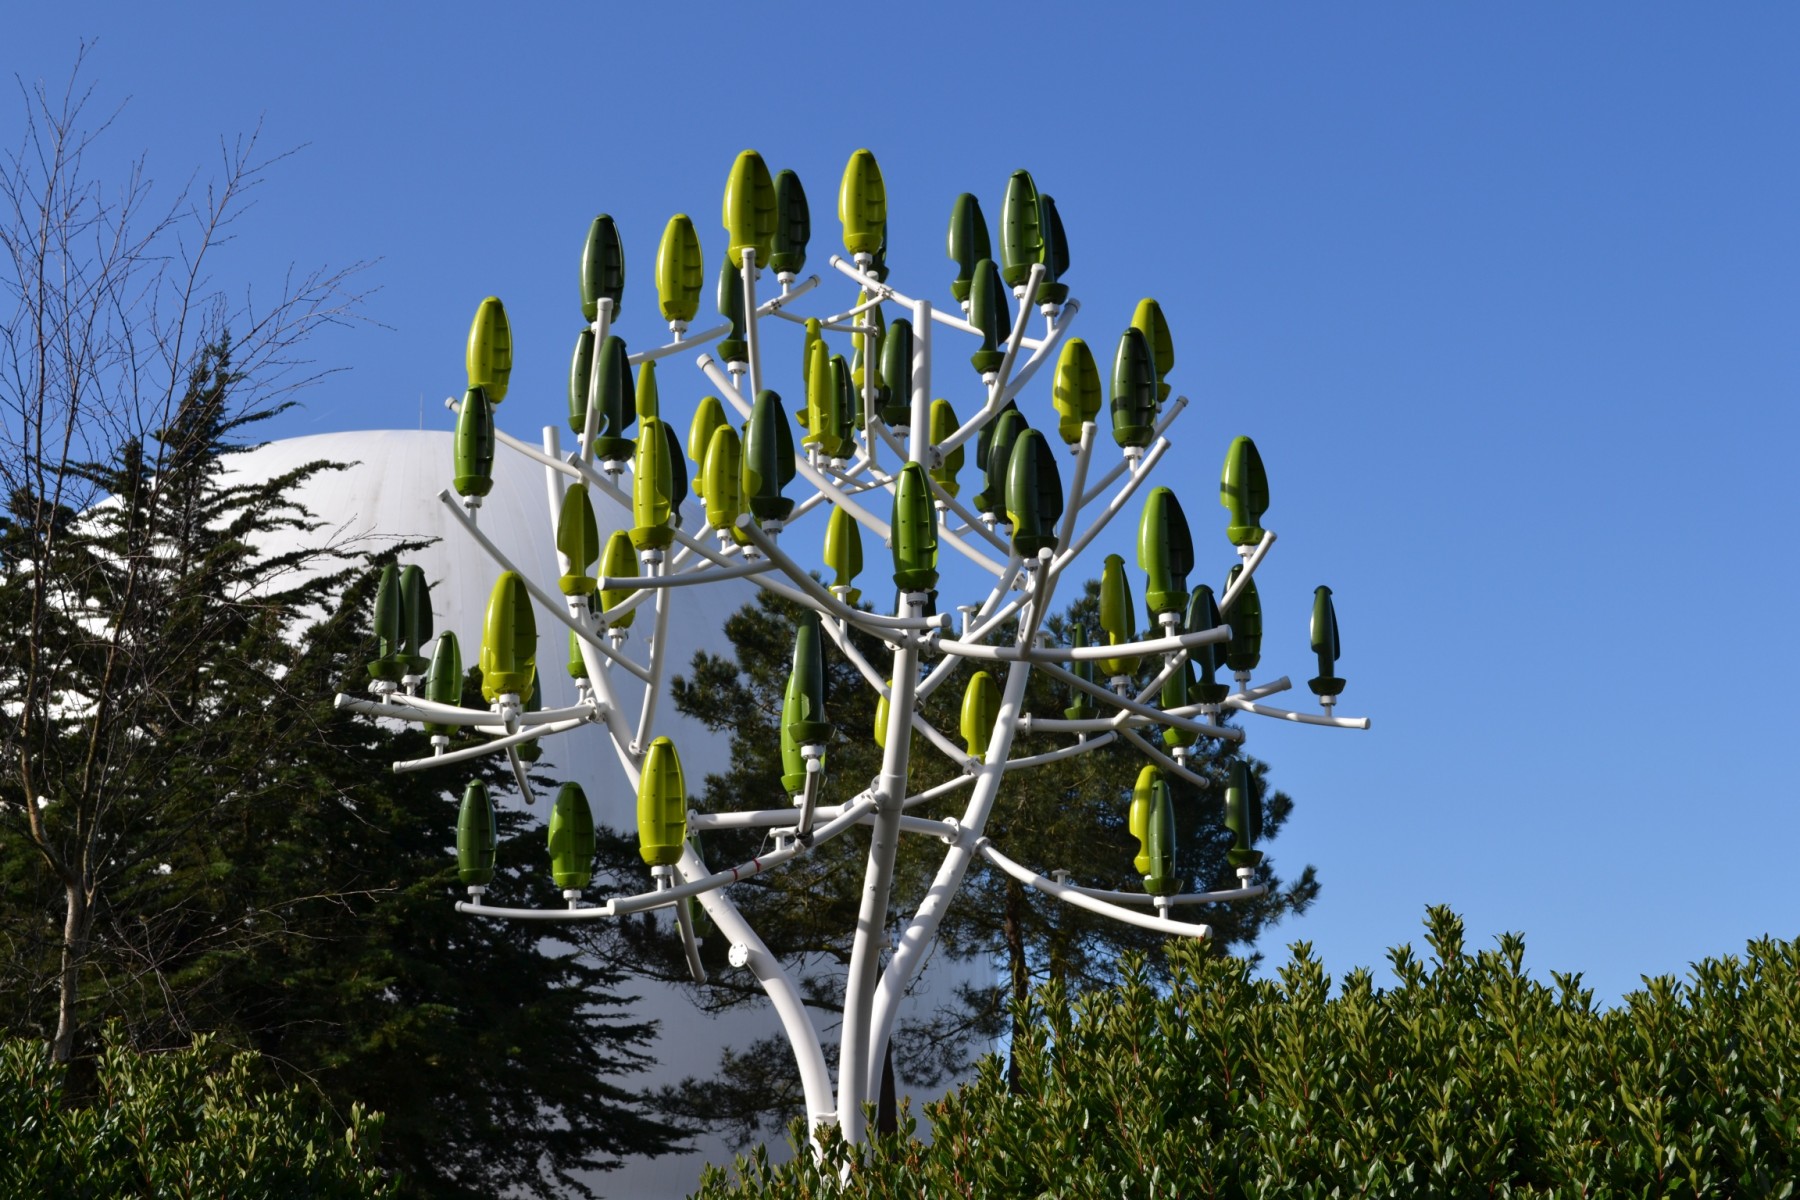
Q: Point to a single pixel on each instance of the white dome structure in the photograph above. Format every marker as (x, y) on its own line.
(389, 491)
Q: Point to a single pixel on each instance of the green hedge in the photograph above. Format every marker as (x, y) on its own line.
(1466, 1079)
(187, 1123)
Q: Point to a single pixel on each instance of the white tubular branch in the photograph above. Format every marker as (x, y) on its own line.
(1283, 714)
(1243, 580)
(883, 627)
(1227, 896)
(1107, 696)
(537, 593)
(1063, 654)
(1079, 899)
(1071, 552)
(1156, 431)
(492, 747)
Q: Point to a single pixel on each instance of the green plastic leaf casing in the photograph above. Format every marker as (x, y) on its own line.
(618, 561)
(577, 664)
(897, 373)
(388, 664)
(824, 406)
(1243, 816)
(1149, 321)
(813, 343)
(578, 540)
(617, 398)
(476, 836)
(1117, 617)
(843, 552)
(474, 444)
(914, 524)
(1325, 644)
(680, 270)
(862, 205)
(849, 407)
(652, 488)
(444, 679)
(508, 658)
(490, 352)
(1034, 496)
(980, 706)
(989, 313)
(709, 415)
(1076, 394)
(968, 243)
(1177, 693)
(943, 424)
(1159, 844)
(993, 453)
(881, 716)
(678, 474)
(581, 370)
(1137, 820)
(748, 212)
(1165, 553)
(732, 347)
(571, 839)
(1203, 614)
(602, 268)
(793, 225)
(1083, 707)
(1021, 229)
(1056, 253)
(803, 719)
(1244, 492)
(768, 459)
(662, 805)
(1244, 650)
(1133, 390)
(415, 618)
(645, 400)
(723, 473)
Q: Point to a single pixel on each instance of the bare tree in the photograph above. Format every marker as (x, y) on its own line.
(122, 356)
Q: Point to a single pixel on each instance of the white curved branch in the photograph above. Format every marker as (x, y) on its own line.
(1079, 899)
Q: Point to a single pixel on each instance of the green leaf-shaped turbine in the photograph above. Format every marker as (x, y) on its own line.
(618, 561)
(914, 524)
(1021, 229)
(862, 205)
(1148, 320)
(843, 552)
(617, 397)
(803, 720)
(1034, 497)
(793, 225)
(1243, 815)
(444, 679)
(474, 444)
(1133, 390)
(490, 351)
(662, 805)
(1325, 644)
(1244, 492)
(943, 424)
(1076, 394)
(571, 839)
(508, 640)
(1117, 616)
(476, 836)
(748, 212)
(1244, 650)
(652, 488)
(1165, 553)
(680, 270)
(768, 459)
(968, 243)
(602, 268)
(989, 313)
(980, 707)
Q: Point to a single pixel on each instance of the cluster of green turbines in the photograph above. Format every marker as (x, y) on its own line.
(876, 400)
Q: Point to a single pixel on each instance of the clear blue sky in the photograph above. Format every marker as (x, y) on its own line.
(1507, 296)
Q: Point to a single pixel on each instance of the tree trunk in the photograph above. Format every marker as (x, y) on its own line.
(74, 949)
(1021, 976)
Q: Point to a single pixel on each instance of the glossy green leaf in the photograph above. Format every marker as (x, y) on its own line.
(618, 561)
(862, 205)
(474, 445)
(1076, 394)
(768, 459)
(843, 552)
(749, 210)
(1165, 552)
(914, 525)
(968, 243)
(508, 658)
(793, 225)
(1244, 492)
(1133, 390)
(1034, 494)
(571, 839)
(477, 836)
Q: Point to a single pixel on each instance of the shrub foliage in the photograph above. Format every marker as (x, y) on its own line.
(1468, 1078)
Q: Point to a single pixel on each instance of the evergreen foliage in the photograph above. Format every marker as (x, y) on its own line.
(1466, 1079)
(190, 1122)
(1070, 813)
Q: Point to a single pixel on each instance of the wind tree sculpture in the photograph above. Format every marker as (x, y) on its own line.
(872, 427)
